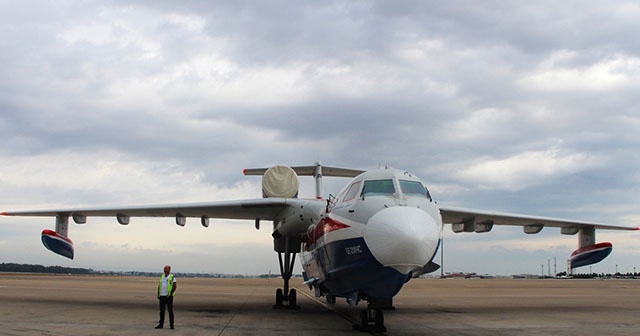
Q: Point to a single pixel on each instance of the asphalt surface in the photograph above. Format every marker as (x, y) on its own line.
(102, 305)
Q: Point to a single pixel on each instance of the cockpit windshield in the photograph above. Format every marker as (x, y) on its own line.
(414, 188)
(378, 188)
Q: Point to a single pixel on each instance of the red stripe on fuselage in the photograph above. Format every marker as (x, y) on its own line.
(325, 226)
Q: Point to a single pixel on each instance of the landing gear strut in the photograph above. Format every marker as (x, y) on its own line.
(286, 298)
(371, 319)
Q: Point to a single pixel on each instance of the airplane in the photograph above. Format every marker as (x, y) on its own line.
(382, 229)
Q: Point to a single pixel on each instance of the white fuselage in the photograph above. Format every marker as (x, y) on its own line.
(382, 229)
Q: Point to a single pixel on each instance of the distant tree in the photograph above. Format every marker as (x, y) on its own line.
(26, 268)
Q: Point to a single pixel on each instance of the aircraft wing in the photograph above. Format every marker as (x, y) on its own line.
(262, 208)
(456, 215)
(300, 211)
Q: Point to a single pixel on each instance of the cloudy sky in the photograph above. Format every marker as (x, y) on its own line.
(509, 106)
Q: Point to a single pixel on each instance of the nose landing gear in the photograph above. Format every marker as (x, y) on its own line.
(371, 319)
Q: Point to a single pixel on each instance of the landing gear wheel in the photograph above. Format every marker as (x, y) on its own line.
(331, 299)
(279, 298)
(379, 321)
(371, 320)
(292, 298)
(364, 320)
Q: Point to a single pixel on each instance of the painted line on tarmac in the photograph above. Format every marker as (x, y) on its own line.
(328, 306)
(345, 316)
(233, 316)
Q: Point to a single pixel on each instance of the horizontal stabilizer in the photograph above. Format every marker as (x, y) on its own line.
(311, 171)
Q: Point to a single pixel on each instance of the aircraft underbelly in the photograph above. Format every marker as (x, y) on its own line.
(346, 266)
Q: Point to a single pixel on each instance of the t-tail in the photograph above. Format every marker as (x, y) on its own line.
(282, 181)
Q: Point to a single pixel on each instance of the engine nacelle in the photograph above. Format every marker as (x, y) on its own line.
(281, 182)
(57, 243)
(294, 221)
(470, 224)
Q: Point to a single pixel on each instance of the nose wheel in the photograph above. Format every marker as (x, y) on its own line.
(371, 319)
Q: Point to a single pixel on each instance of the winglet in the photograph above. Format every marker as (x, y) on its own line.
(4, 213)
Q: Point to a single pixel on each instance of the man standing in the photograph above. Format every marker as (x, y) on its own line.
(166, 290)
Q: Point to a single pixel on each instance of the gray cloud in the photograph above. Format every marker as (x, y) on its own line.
(514, 107)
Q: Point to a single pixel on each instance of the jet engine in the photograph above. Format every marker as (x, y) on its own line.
(281, 182)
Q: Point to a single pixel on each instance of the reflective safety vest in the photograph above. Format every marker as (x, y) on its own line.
(169, 286)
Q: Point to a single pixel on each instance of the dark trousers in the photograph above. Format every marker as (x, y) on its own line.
(166, 301)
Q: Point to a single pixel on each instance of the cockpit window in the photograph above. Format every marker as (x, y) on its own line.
(378, 188)
(352, 192)
(414, 188)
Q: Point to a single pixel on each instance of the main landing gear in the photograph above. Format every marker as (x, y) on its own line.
(371, 319)
(286, 298)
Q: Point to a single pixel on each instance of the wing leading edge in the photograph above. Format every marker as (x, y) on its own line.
(262, 208)
(588, 252)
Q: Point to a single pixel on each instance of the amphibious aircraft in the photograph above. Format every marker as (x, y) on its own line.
(382, 229)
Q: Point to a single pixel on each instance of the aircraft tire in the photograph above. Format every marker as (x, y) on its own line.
(279, 297)
(379, 321)
(331, 299)
(364, 320)
(292, 298)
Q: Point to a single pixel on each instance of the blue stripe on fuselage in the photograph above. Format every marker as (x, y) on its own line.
(348, 266)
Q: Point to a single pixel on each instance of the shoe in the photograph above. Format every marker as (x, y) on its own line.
(158, 327)
(172, 327)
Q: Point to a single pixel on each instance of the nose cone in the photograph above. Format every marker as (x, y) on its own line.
(402, 237)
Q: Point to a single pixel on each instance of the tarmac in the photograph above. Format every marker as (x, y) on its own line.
(107, 305)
